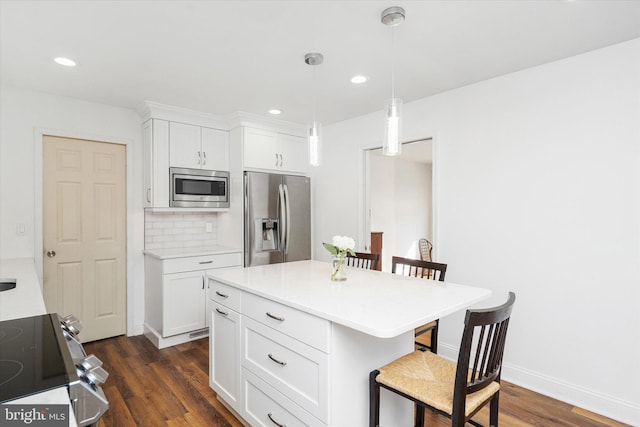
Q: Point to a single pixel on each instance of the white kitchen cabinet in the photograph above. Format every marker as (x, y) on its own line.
(181, 308)
(263, 149)
(269, 361)
(176, 293)
(155, 143)
(198, 147)
(224, 362)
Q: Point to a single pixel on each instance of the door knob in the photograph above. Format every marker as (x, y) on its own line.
(51, 254)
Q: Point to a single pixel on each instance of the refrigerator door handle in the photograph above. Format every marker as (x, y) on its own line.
(288, 214)
(282, 214)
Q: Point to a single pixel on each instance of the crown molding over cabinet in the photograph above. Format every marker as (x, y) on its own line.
(153, 110)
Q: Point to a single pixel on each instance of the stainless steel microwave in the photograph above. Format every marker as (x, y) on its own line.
(198, 188)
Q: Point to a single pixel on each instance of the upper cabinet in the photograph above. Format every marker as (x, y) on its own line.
(198, 147)
(263, 149)
(155, 143)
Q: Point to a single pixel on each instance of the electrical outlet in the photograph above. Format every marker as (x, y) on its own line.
(209, 227)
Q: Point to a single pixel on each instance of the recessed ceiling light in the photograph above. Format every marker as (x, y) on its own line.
(359, 79)
(275, 111)
(65, 61)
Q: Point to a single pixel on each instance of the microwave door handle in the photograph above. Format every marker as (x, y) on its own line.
(287, 202)
(283, 216)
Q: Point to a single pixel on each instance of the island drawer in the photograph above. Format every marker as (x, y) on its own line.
(265, 407)
(303, 326)
(295, 369)
(225, 295)
(203, 262)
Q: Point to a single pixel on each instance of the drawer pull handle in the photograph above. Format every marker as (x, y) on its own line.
(274, 421)
(206, 262)
(279, 362)
(280, 319)
(221, 294)
(224, 313)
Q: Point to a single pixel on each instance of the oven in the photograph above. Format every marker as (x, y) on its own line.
(198, 188)
(42, 353)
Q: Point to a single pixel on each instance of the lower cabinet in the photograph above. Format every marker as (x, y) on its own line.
(224, 368)
(265, 406)
(176, 296)
(264, 364)
(180, 292)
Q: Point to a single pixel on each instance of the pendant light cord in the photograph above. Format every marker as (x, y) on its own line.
(393, 89)
(313, 91)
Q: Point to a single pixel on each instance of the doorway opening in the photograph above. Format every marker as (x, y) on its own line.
(399, 195)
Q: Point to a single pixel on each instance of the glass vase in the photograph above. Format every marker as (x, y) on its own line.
(338, 274)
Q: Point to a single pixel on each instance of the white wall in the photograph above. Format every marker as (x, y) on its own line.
(537, 182)
(24, 116)
(400, 205)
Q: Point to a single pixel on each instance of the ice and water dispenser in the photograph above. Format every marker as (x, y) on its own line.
(267, 235)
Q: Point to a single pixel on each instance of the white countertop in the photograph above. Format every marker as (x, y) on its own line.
(381, 304)
(187, 252)
(26, 300)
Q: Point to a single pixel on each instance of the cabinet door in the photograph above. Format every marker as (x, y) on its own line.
(183, 303)
(184, 146)
(215, 149)
(147, 170)
(261, 149)
(294, 153)
(224, 351)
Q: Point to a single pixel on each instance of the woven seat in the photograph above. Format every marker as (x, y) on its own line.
(430, 378)
(457, 390)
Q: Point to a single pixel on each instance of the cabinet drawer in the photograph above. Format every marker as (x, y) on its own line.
(265, 407)
(225, 295)
(204, 262)
(305, 327)
(296, 370)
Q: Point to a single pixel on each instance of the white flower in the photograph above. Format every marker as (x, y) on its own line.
(344, 243)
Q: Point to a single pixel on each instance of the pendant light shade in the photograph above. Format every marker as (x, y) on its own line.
(314, 130)
(391, 144)
(315, 143)
(392, 139)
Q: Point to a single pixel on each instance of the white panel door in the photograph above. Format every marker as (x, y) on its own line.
(84, 233)
(215, 149)
(184, 146)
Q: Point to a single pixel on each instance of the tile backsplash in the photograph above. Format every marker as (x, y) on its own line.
(165, 230)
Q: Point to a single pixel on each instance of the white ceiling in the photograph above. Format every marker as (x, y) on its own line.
(225, 56)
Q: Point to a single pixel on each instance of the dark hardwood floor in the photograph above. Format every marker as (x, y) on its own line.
(170, 387)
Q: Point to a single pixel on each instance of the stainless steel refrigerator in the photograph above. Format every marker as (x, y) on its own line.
(277, 218)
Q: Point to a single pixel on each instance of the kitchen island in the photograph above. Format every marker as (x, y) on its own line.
(291, 347)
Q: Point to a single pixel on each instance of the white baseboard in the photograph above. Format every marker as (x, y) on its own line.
(137, 330)
(599, 403)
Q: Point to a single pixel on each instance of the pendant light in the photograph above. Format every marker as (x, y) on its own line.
(314, 130)
(391, 145)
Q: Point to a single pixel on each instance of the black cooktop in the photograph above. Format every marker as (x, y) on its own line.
(31, 359)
